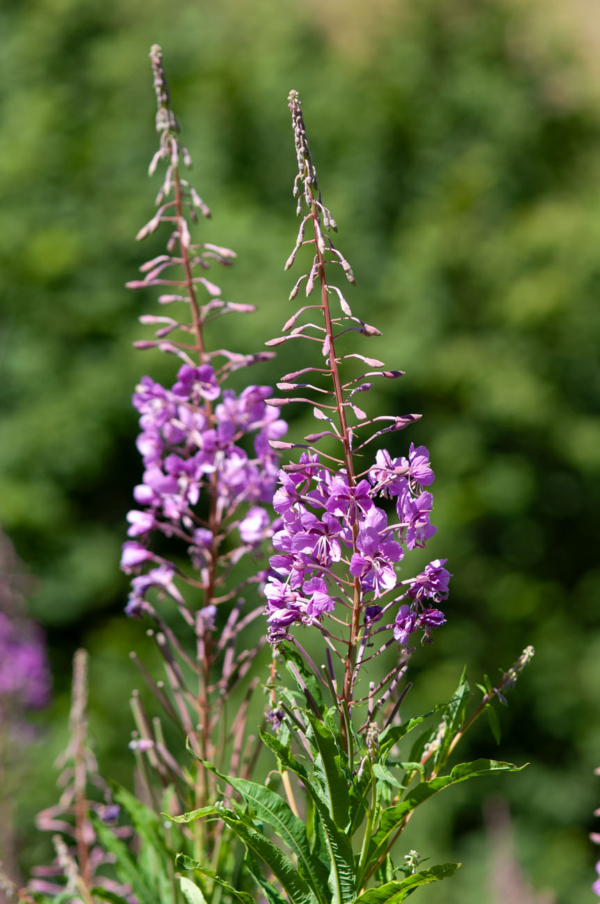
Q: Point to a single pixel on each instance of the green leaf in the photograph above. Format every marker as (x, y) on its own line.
(453, 719)
(182, 861)
(320, 847)
(391, 735)
(105, 895)
(155, 858)
(410, 766)
(191, 892)
(418, 748)
(331, 719)
(271, 893)
(192, 815)
(392, 818)
(342, 879)
(295, 885)
(124, 863)
(392, 892)
(292, 655)
(337, 783)
(274, 810)
(494, 722)
(386, 777)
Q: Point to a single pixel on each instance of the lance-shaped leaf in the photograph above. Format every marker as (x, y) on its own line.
(342, 879)
(494, 722)
(274, 810)
(192, 815)
(392, 892)
(271, 894)
(338, 797)
(283, 869)
(182, 861)
(392, 818)
(191, 892)
(391, 735)
(453, 719)
(292, 655)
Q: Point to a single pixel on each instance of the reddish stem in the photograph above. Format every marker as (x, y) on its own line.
(345, 435)
(204, 644)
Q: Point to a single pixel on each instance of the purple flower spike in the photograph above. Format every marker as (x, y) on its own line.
(204, 475)
(188, 451)
(334, 508)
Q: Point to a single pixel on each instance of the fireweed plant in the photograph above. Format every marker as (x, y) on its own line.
(209, 478)
(204, 504)
(347, 521)
(340, 524)
(86, 799)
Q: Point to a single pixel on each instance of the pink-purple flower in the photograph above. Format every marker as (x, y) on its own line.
(432, 583)
(349, 501)
(196, 383)
(405, 624)
(190, 452)
(419, 468)
(326, 521)
(373, 564)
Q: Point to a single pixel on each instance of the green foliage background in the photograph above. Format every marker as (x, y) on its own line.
(461, 158)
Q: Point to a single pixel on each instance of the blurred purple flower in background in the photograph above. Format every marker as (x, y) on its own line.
(25, 680)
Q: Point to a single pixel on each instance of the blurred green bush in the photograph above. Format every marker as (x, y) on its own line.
(464, 170)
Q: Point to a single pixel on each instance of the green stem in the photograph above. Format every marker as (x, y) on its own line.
(368, 833)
